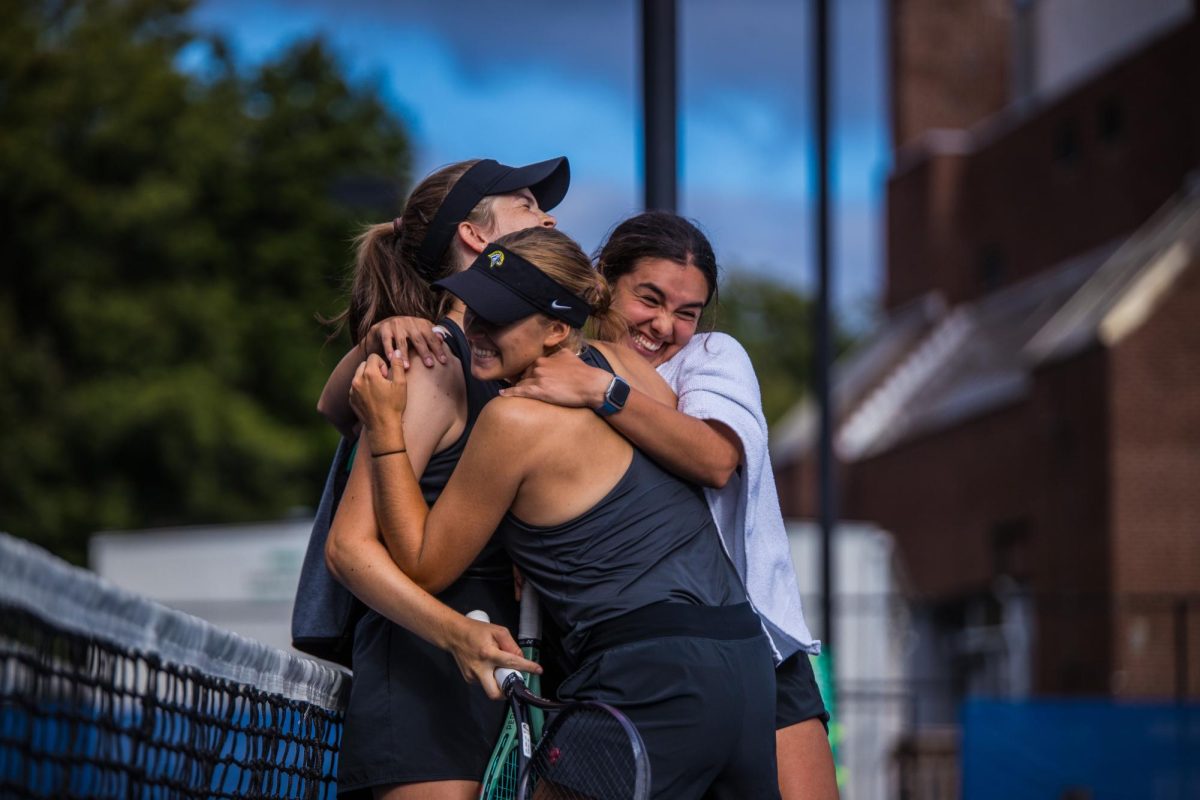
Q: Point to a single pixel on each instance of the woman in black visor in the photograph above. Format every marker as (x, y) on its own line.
(413, 727)
(625, 556)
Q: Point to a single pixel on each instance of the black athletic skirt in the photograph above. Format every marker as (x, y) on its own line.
(411, 716)
(699, 684)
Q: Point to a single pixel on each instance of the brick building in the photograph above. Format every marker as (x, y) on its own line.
(1026, 419)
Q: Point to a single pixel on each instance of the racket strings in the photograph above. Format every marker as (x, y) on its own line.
(504, 771)
(587, 754)
(502, 778)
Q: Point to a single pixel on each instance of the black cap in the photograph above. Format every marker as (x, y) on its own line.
(548, 180)
(502, 287)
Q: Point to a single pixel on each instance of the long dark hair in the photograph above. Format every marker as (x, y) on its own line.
(657, 234)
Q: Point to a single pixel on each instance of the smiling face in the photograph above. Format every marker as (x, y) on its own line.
(504, 352)
(662, 300)
(514, 212)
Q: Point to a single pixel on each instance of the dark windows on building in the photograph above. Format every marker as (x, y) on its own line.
(992, 267)
(1110, 121)
(1011, 549)
(1067, 146)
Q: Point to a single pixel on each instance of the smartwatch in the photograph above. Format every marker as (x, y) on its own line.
(614, 396)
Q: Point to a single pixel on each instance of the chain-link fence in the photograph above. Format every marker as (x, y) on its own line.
(905, 668)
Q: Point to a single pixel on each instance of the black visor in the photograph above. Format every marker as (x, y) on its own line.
(547, 180)
(501, 287)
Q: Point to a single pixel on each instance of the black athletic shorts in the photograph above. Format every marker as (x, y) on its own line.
(411, 715)
(797, 697)
(698, 684)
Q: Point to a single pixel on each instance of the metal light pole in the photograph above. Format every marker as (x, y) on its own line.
(660, 133)
(826, 487)
(659, 125)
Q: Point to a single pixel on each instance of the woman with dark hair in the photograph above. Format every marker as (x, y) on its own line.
(413, 727)
(664, 273)
(625, 556)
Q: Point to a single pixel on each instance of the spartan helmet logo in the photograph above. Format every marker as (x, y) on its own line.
(495, 259)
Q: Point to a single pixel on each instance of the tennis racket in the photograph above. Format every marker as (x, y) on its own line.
(504, 767)
(589, 751)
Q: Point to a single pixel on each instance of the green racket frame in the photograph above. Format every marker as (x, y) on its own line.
(503, 770)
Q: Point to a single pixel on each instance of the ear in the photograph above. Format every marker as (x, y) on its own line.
(556, 332)
(472, 237)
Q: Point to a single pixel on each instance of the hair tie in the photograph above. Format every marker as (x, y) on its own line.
(397, 225)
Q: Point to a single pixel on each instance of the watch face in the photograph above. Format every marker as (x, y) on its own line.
(618, 393)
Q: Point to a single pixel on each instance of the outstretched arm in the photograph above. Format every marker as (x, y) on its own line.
(699, 450)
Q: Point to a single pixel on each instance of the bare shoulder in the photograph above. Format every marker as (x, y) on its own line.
(522, 423)
(636, 370)
(444, 381)
(513, 415)
(436, 412)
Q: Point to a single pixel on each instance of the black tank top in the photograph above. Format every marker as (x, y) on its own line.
(651, 539)
(492, 561)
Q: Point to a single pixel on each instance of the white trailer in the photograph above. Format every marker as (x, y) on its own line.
(872, 637)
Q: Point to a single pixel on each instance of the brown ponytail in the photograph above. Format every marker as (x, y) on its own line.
(606, 323)
(385, 281)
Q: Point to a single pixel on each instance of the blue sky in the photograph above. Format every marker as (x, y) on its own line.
(524, 81)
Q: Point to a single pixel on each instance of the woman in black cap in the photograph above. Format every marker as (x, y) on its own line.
(438, 233)
(413, 727)
(625, 556)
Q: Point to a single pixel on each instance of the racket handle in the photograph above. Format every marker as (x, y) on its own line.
(530, 626)
(504, 675)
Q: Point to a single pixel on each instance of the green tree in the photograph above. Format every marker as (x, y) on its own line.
(169, 234)
(774, 323)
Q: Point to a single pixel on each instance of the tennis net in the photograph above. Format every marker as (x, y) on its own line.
(107, 694)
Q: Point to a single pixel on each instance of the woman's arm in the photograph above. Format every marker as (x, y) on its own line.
(637, 371)
(358, 559)
(703, 451)
(392, 335)
(699, 450)
(433, 547)
(334, 403)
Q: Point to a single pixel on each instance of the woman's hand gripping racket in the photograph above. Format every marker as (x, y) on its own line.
(589, 751)
(504, 767)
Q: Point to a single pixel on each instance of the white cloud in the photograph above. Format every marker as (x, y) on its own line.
(745, 150)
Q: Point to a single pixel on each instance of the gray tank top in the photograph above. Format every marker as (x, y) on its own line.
(651, 539)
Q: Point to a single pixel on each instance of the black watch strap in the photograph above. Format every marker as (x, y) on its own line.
(615, 396)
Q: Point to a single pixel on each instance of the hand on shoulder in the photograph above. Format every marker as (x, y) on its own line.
(401, 336)
(635, 369)
(562, 379)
